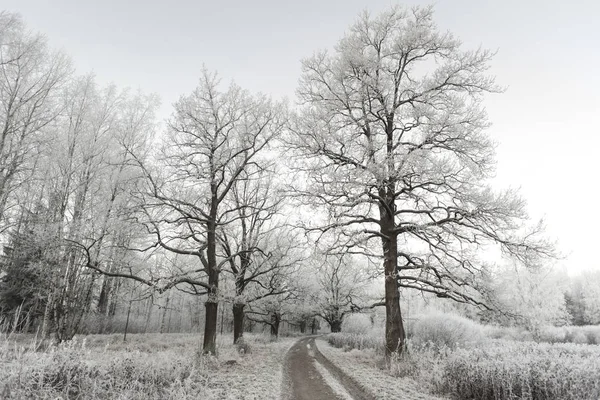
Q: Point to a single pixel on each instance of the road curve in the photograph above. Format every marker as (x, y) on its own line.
(308, 375)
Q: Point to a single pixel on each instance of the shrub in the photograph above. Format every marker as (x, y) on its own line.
(445, 331)
(349, 341)
(570, 334)
(72, 370)
(592, 334)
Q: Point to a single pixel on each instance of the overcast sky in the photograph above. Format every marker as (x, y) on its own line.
(546, 123)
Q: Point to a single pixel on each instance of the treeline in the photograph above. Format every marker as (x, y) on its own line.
(65, 183)
(99, 216)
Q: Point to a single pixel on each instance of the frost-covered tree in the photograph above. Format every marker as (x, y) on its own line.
(30, 100)
(341, 289)
(214, 136)
(392, 135)
(532, 298)
(583, 298)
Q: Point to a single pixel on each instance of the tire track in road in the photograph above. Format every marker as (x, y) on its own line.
(308, 375)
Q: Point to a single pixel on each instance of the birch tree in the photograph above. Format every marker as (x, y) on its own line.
(392, 138)
(31, 79)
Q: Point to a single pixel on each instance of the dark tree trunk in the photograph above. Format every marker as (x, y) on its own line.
(394, 328)
(275, 320)
(210, 325)
(314, 326)
(103, 299)
(212, 302)
(148, 314)
(238, 321)
(113, 296)
(163, 323)
(303, 326)
(336, 325)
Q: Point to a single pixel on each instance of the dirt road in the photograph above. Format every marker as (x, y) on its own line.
(308, 375)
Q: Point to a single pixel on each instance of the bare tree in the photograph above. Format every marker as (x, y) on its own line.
(342, 289)
(31, 76)
(213, 138)
(79, 197)
(257, 243)
(392, 132)
(272, 311)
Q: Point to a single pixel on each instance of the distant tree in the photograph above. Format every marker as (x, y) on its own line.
(272, 311)
(258, 245)
(392, 135)
(582, 298)
(341, 289)
(532, 298)
(575, 304)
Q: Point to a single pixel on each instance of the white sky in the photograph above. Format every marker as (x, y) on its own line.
(548, 57)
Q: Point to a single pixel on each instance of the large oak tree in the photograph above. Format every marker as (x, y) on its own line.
(392, 132)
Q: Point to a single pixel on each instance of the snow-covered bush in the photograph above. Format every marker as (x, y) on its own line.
(72, 370)
(570, 334)
(439, 331)
(350, 341)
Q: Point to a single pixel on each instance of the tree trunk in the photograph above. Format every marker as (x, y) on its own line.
(336, 325)
(47, 314)
(148, 314)
(164, 316)
(314, 326)
(212, 302)
(303, 326)
(210, 325)
(275, 320)
(238, 321)
(102, 306)
(394, 328)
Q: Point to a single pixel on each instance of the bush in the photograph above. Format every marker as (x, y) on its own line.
(570, 334)
(440, 331)
(523, 371)
(350, 341)
(357, 323)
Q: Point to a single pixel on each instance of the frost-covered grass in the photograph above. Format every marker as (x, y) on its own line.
(523, 370)
(152, 366)
(589, 334)
(454, 356)
(357, 341)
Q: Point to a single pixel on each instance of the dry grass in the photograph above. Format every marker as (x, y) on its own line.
(150, 366)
